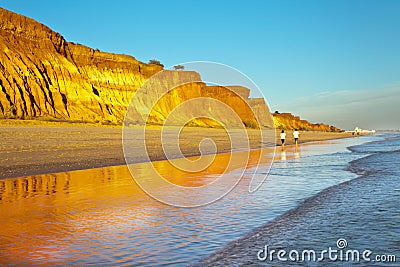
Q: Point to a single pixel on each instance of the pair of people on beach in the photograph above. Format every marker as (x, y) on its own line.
(295, 135)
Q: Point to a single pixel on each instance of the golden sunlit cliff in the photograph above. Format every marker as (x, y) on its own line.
(287, 121)
(44, 76)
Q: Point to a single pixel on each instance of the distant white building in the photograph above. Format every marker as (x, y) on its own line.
(358, 131)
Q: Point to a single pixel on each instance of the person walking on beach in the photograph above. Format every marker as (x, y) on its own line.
(296, 136)
(283, 136)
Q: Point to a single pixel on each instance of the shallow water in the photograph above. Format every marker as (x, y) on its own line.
(101, 216)
(364, 211)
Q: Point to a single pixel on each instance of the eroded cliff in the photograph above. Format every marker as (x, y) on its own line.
(44, 76)
(288, 121)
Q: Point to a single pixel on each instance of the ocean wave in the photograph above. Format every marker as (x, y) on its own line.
(364, 210)
(385, 143)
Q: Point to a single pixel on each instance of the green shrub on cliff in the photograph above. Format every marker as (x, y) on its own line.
(155, 62)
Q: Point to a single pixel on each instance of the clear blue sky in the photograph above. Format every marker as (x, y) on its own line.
(304, 55)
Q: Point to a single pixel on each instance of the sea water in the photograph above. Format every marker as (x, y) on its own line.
(361, 215)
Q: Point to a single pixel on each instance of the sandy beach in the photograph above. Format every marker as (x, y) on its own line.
(30, 148)
(85, 216)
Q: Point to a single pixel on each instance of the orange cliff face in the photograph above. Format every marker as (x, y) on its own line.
(44, 76)
(288, 121)
(189, 101)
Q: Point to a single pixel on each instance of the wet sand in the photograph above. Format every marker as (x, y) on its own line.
(31, 148)
(102, 217)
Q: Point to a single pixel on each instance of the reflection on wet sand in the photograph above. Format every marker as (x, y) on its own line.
(101, 215)
(296, 152)
(51, 218)
(287, 153)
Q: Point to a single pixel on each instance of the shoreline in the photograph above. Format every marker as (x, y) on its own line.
(73, 198)
(304, 220)
(39, 149)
